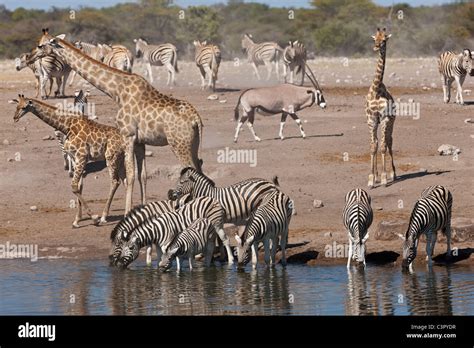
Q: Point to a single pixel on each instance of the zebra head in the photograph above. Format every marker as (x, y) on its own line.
(167, 258)
(410, 245)
(359, 247)
(247, 41)
(47, 45)
(467, 57)
(243, 249)
(129, 252)
(186, 183)
(380, 39)
(23, 106)
(20, 62)
(139, 46)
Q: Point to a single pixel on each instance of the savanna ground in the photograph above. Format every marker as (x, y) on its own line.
(333, 159)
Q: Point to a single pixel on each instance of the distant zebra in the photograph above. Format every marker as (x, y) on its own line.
(431, 213)
(294, 57)
(119, 57)
(162, 229)
(35, 67)
(51, 67)
(264, 53)
(138, 216)
(208, 59)
(357, 217)
(165, 54)
(94, 51)
(267, 224)
(198, 238)
(454, 67)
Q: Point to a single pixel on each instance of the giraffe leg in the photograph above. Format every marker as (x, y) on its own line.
(130, 170)
(383, 150)
(298, 122)
(284, 115)
(78, 218)
(373, 152)
(141, 170)
(77, 188)
(113, 167)
(392, 175)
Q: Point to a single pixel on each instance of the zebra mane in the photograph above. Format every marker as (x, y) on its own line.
(412, 216)
(117, 227)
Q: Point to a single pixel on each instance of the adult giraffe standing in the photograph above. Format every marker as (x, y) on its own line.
(379, 109)
(146, 116)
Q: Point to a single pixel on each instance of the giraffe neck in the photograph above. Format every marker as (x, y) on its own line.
(380, 68)
(101, 76)
(51, 116)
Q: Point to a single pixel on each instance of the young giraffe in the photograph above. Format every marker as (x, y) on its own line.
(85, 140)
(379, 110)
(145, 116)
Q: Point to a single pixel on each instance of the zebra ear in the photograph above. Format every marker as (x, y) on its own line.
(373, 37)
(250, 240)
(237, 238)
(402, 237)
(388, 36)
(135, 40)
(61, 36)
(173, 251)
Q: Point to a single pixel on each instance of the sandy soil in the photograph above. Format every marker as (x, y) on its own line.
(310, 169)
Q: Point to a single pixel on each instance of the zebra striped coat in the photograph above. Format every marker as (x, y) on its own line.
(294, 57)
(136, 217)
(198, 238)
(454, 67)
(268, 224)
(208, 59)
(35, 67)
(160, 55)
(239, 200)
(161, 230)
(264, 53)
(357, 217)
(119, 57)
(431, 213)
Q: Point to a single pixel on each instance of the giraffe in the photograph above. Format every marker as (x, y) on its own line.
(145, 115)
(379, 110)
(85, 140)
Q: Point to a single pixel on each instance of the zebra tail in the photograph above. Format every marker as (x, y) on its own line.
(275, 181)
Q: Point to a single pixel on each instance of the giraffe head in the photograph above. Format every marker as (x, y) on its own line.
(380, 38)
(23, 106)
(47, 45)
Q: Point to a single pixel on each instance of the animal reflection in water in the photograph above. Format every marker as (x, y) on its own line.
(202, 292)
(428, 293)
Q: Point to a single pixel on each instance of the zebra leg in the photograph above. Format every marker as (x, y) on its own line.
(298, 122)
(268, 65)
(291, 75)
(266, 248)
(149, 250)
(209, 251)
(254, 255)
(284, 115)
(283, 240)
(444, 81)
(43, 81)
(242, 120)
(203, 77)
(285, 72)
(277, 69)
(349, 257)
(450, 82)
(178, 263)
(150, 75)
(51, 83)
(274, 242)
(141, 170)
(459, 82)
(225, 242)
(250, 125)
(303, 72)
(256, 71)
(210, 79)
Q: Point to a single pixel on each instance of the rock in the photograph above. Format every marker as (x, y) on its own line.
(10, 159)
(223, 101)
(338, 81)
(467, 92)
(213, 97)
(318, 204)
(48, 137)
(96, 177)
(378, 208)
(34, 208)
(462, 229)
(448, 150)
(6, 142)
(468, 120)
(328, 234)
(148, 153)
(425, 88)
(389, 230)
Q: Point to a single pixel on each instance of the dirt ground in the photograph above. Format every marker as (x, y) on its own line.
(333, 159)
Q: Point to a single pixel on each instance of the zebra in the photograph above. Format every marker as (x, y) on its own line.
(208, 59)
(454, 67)
(165, 54)
(239, 200)
(94, 51)
(51, 67)
(162, 229)
(198, 238)
(357, 216)
(431, 213)
(35, 67)
(119, 57)
(264, 53)
(138, 216)
(267, 224)
(294, 56)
